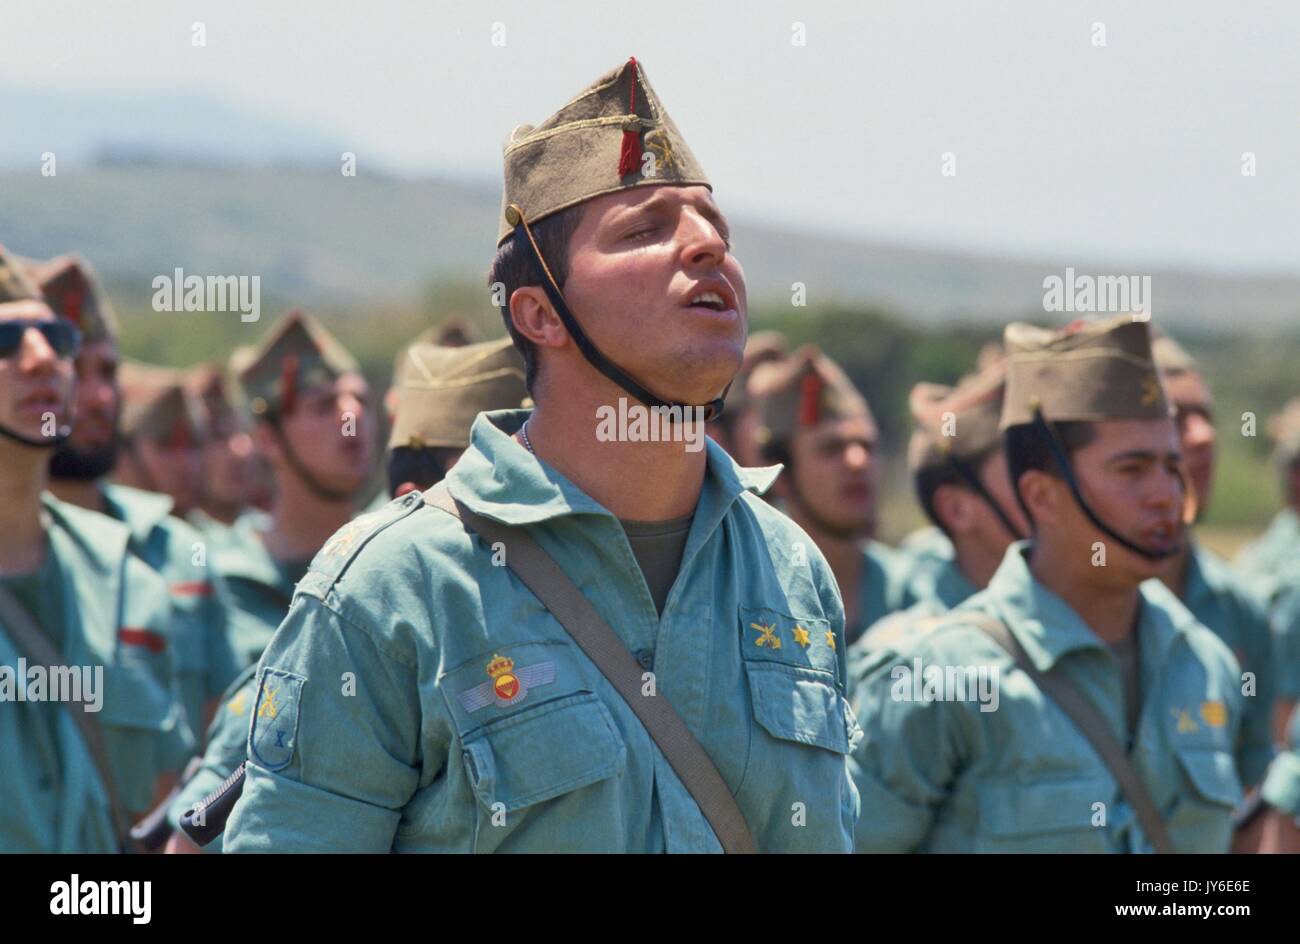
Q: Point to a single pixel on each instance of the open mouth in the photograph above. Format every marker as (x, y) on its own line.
(710, 300)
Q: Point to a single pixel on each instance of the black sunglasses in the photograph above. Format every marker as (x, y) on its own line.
(62, 335)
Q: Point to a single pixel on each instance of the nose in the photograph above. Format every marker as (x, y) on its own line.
(701, 241)
(1168, 487)
(1199, 431)
(36, 352)
(857, 457)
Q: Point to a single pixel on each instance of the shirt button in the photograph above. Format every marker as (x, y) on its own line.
(646, 658)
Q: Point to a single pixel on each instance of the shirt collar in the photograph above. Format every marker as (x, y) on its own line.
(500, 479)
(1049, 628)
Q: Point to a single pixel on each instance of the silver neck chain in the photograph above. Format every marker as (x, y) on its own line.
(523, 434)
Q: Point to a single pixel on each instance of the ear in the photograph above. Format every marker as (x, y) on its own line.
(1041, 493)
(949, 503)
(264, 441)
(534, 317)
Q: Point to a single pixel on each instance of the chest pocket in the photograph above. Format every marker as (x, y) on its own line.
(791, 666)
(531, 727)
(1065, 815)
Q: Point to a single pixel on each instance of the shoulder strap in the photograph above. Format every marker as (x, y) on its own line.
(39, 649)
(548, 582)
(1090, 723)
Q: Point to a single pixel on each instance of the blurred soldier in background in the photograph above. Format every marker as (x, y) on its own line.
(162, 435)
(1202, 580)
(815, 423)
(312, 423)
(227, 461)
(73, 603)
(1070, 636)
(80, 466)
(1262, 560)
(960, 474)
(439, 392)
(734, 430)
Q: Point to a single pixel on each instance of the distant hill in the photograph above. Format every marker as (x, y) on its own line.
(320, 237)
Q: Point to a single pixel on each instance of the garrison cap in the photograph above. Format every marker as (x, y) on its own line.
(73, 290)
(763, 347)
(1092, 371)
(442, 389)
(592, 146)
(1284, 428)
(297, 355)
(212, 391)
(15, 284)
(801, 391)
(1171, 357)
(155, 405)
(960, 421)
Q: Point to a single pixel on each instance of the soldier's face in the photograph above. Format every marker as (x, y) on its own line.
(1194, 415)
(970, 515)
(229, 471)
(331, 429)
(836, 472)
(173, 467)
(653, 282)
(1130, 475)
(35, 383)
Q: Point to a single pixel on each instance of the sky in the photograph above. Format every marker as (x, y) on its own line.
(1129, 152)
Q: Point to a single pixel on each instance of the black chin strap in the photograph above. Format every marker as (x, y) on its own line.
(300, 469)
(1063, 463)
(49, 443)
(973, 482)
(712, 409)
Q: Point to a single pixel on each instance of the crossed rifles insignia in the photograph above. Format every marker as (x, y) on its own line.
(508, 685)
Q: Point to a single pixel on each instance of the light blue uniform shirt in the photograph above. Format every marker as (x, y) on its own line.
(420, 699)
(970, 773)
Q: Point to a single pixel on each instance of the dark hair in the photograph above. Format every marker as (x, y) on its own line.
(931, 478)
(424, 467)
(1026, 449)
(514, 268)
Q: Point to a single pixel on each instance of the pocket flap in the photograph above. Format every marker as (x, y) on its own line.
(540, 753)
(798, 704)
(1213, 773)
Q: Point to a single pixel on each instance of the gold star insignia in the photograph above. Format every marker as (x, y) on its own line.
(801, 637)
(1185, 723)
(830, 638)
(1214, 713)
(768, 638)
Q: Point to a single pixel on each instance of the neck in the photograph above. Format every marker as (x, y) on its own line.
(1109, 609)
(1175, 574)
(23, 473)
(843, 554)
(220, 511)
(636, 481)
(301, 520)
(83, 493)
(976, 561)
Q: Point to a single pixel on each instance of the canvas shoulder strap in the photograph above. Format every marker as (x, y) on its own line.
(40, 650)
(540, 573)
(1090, 723)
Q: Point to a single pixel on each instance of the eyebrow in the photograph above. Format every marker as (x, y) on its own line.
(1143, 455)
(658, 202)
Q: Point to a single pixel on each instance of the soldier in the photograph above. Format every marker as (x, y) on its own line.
(817, 425)
(1261, 561)
(227, 461)
(1281, 791)
(439, 392)
(960, 474)
(162, 435)
(79, 470)
(986, 729)
(1201, 579)
(478, 721)
(76, 606)
(312, 423)
(734, 429)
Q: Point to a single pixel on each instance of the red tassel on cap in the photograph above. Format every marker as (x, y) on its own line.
(288, 383)
(629, 155)
(73, 299)
(810, 400)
